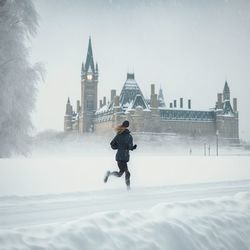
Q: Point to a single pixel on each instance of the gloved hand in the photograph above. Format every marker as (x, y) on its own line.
(134, 147)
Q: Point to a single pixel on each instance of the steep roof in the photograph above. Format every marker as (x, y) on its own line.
(226, 87)
(130, 93)
(89, 65)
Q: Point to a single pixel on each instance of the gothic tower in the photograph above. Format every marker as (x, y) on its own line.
(227, 118)
(226, 92)
(161, 100)
(227, 108)
(68, 117)
(89, 82)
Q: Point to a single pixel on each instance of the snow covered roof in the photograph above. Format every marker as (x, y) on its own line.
(105, 108)
(131, 94)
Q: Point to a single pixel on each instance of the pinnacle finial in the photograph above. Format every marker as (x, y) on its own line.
(89, 65)
(226, 87)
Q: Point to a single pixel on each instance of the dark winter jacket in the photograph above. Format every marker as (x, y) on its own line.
(123, 142)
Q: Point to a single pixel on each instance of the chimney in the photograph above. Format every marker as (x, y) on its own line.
(219, 101)
(113, 94)
(100, 103)
(116, 103)
(235, 104)
(104, 100)
(152, 89)
(130, 76)
(170, 105)
(116, 98)
(181, 102)
(175, 104)
(78, 106)
(153, 101)
(189, 104)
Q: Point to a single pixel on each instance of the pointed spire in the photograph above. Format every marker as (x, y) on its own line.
(226, 87)
(226, 92)
(69, 110)
(89, 65)
(160, 94)
(161, 99)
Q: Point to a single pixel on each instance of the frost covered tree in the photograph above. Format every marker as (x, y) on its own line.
(18, 78)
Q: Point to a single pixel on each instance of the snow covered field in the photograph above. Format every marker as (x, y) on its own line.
(175, 203)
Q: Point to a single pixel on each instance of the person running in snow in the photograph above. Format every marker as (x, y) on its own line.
(123, 142)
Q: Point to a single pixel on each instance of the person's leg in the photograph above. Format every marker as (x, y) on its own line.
(127, 179)
(106, 176)
(122, 170)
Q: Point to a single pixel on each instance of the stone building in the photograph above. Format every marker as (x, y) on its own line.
(147, 115)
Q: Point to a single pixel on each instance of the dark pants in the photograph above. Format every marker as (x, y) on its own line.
(123, 169)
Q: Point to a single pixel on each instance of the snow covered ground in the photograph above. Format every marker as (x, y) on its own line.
(175, 203)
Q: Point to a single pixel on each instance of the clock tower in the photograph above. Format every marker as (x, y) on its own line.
(89, 82)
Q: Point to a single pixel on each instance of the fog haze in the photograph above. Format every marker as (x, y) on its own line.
(189, 48)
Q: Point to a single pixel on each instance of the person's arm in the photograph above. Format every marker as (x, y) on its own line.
(114, 144)
(130, 144)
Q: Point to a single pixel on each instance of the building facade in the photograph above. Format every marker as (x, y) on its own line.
(147, 115)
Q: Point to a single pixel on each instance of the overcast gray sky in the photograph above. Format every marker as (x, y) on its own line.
(188, 47)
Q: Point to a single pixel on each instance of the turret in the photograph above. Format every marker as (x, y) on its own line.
(68, 117)
(227, 108)
(226, 92)
(161, 100)
(227, 117)
(69, 110)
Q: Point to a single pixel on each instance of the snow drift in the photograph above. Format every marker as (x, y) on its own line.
(218, 223)
(175, 203)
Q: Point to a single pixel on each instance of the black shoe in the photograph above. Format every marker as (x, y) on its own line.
(128, 184)
(106, 176)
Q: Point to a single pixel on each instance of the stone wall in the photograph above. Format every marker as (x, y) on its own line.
(150, 121)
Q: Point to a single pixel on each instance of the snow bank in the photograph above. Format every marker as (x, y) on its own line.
(158, 213)
(197, 224)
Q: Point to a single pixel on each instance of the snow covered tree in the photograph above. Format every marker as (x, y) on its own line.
(18, 78)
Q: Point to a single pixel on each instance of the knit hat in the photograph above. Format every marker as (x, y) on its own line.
(125, 124)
